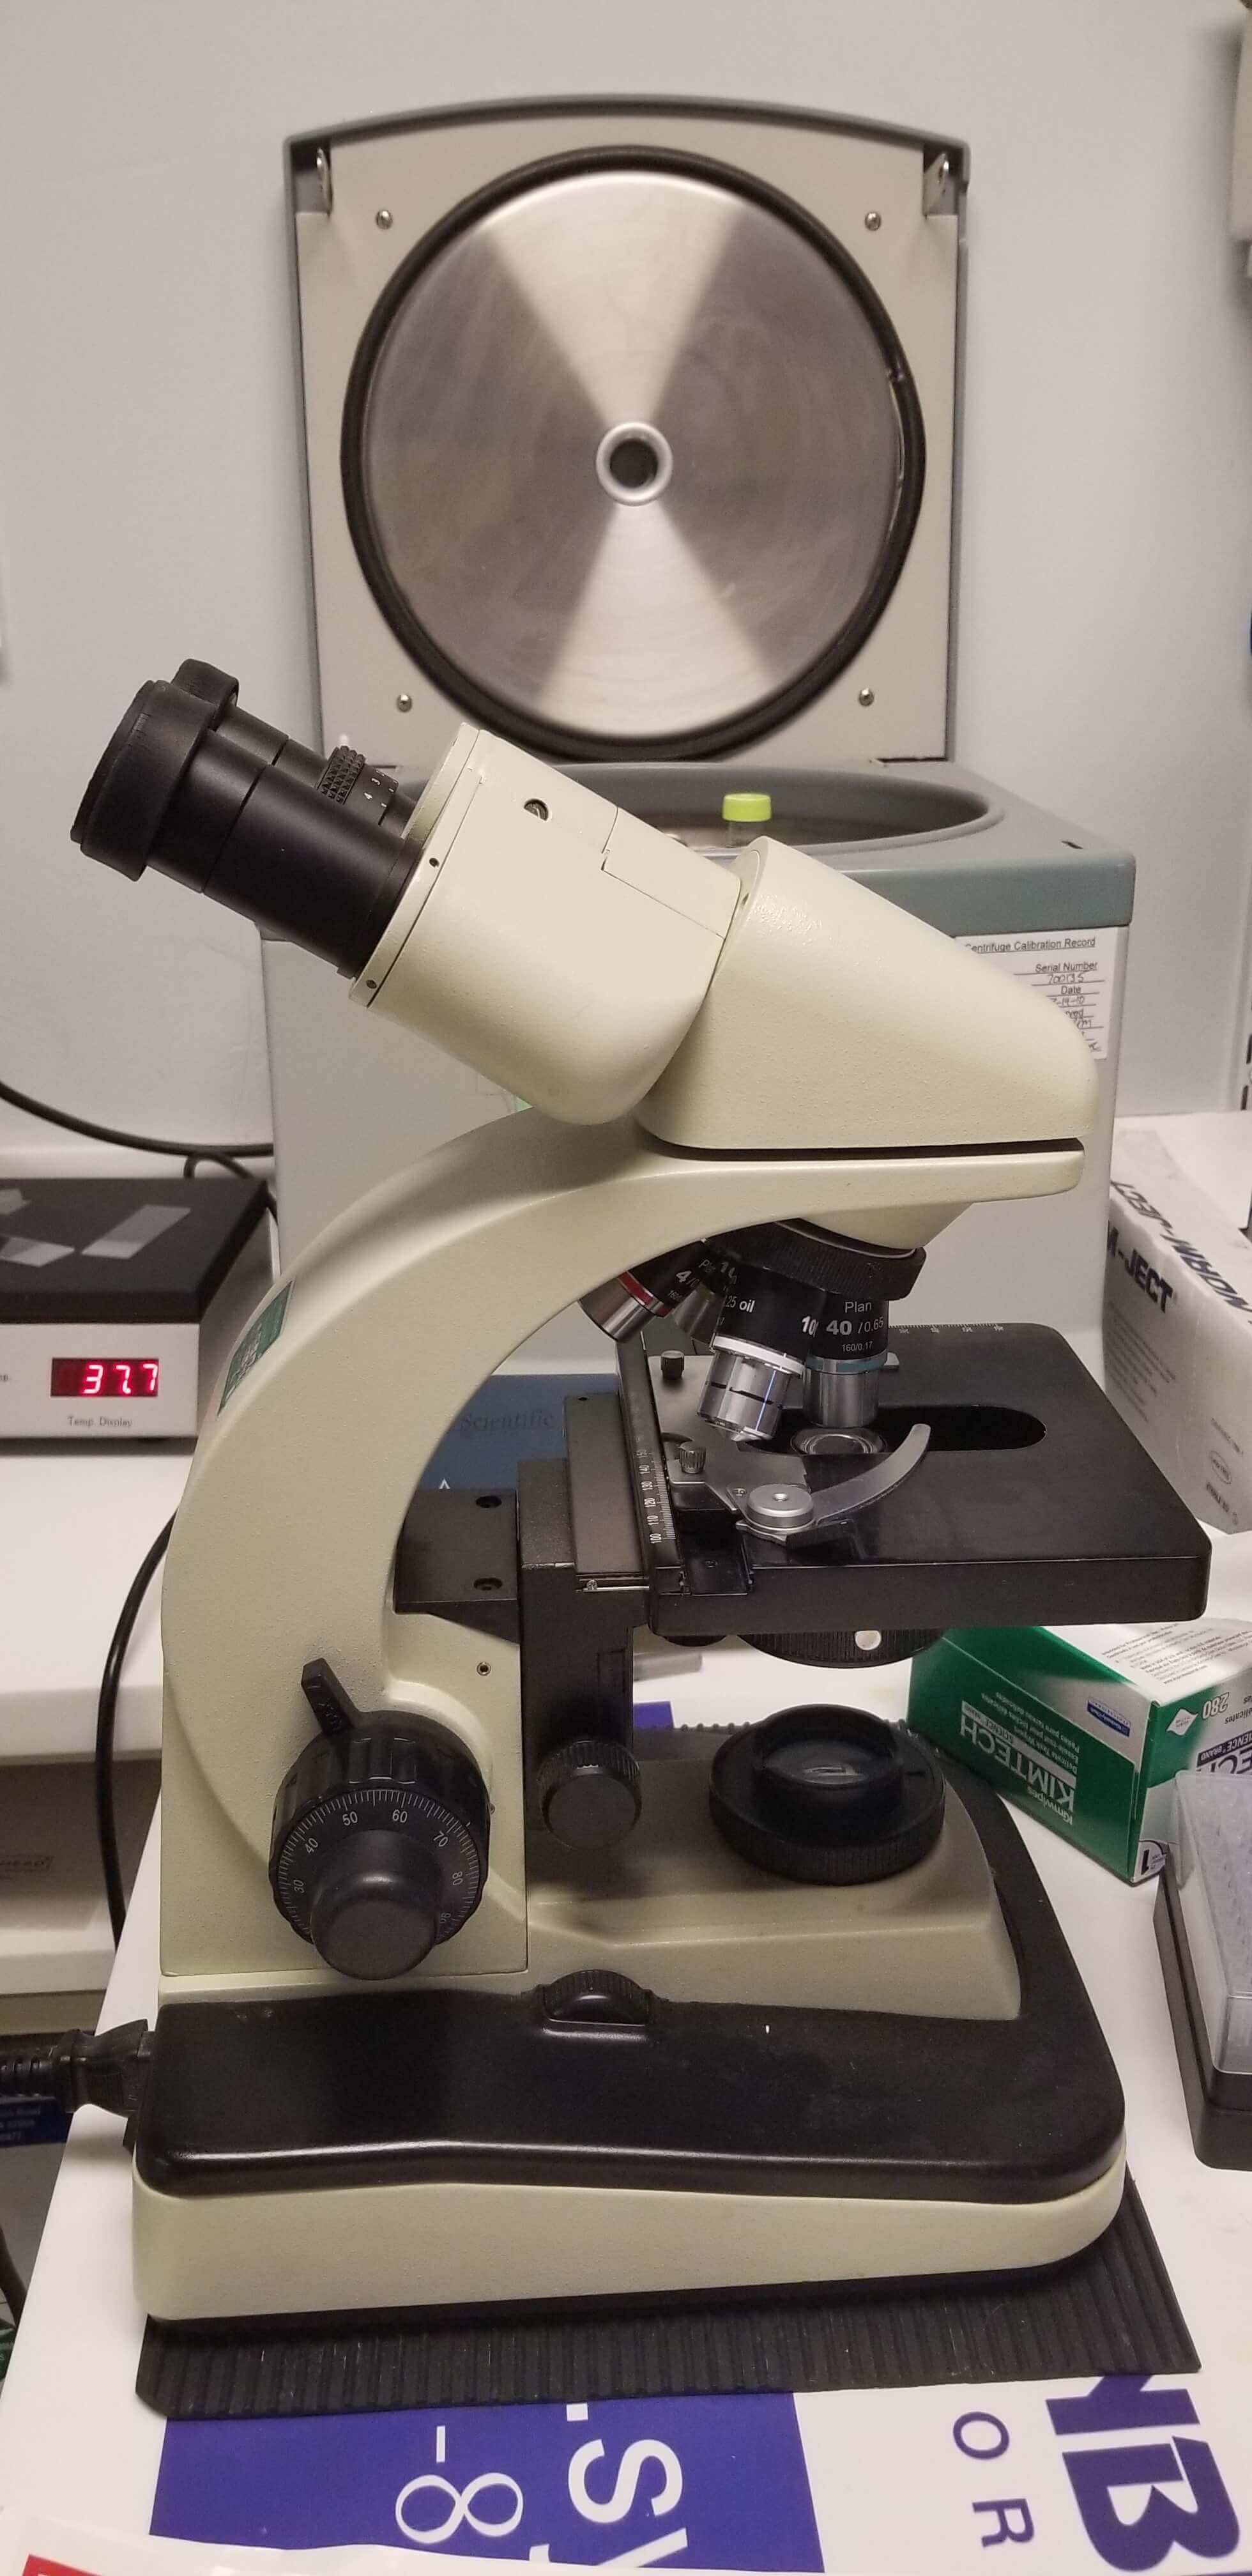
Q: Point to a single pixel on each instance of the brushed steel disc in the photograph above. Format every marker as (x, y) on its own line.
(628, 456)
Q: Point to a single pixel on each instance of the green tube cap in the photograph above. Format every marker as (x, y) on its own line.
(746, 805)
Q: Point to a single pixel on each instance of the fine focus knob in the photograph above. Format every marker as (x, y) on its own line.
(379, 1848)
(830, 1795)
(588, 1792)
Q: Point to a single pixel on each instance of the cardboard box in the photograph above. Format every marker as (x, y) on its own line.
(1178, 1328)
(1088, 1728)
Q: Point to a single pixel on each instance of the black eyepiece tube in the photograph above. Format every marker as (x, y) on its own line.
(312, 850)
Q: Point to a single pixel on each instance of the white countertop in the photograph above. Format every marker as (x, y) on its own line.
(75, 1525)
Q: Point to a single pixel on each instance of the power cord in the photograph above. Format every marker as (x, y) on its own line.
(107, 2067)
(106, 1720)
(12, 2286)
(230, 1157)
(228, 1163)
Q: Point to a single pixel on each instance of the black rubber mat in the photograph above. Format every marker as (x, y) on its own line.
(1109, 2310)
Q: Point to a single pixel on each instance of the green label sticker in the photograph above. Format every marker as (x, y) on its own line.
(261, 1334)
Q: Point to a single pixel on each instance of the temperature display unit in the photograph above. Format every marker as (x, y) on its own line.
(121, 1300)
(121, 1379)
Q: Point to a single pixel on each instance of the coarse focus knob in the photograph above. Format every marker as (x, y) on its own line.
(588, 1792)
(379, 1848)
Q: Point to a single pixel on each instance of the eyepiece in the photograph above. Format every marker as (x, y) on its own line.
(311, 850)
(132, 787)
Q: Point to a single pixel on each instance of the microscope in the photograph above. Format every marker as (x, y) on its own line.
(469, 1995)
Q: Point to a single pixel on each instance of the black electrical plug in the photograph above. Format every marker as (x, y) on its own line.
(107, 2067)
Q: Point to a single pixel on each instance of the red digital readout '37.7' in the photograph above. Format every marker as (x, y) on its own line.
(109, 1378)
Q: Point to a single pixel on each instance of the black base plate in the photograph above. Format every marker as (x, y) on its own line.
(1110, 2310)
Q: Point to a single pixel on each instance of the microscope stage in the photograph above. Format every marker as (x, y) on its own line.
(1033, 1504)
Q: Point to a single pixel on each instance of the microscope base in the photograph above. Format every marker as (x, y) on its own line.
(431, 2146)
(673, 1908)
(420, 2245)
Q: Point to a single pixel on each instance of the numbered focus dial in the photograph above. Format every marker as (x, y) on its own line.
(379, 1849)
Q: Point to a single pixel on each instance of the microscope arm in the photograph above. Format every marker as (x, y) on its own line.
(283, 1546)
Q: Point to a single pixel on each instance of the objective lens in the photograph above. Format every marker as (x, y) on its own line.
(847, 1349)
(759, 1351)
(623, 1305)
(311, 850)
(697, 1311)
(746, 1396)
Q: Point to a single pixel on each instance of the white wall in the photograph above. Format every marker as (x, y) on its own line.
(148, 495)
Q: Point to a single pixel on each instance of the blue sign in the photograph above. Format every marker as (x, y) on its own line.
(509, 1419)
(33, 2123)
(639, 2481)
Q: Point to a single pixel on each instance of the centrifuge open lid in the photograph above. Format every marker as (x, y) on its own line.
(630, 431)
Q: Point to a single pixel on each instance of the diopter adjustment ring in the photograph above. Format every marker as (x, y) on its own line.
(341, 773)
(369, 795)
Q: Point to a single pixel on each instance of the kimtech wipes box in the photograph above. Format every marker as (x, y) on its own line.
(1088, 1728)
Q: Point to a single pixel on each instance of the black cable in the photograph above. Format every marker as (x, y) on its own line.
(228, 1164)
(108, 2067)
(230, 1157)
(225, 1162)
(106, 1719)
(12, 2286)
(227, 1154)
